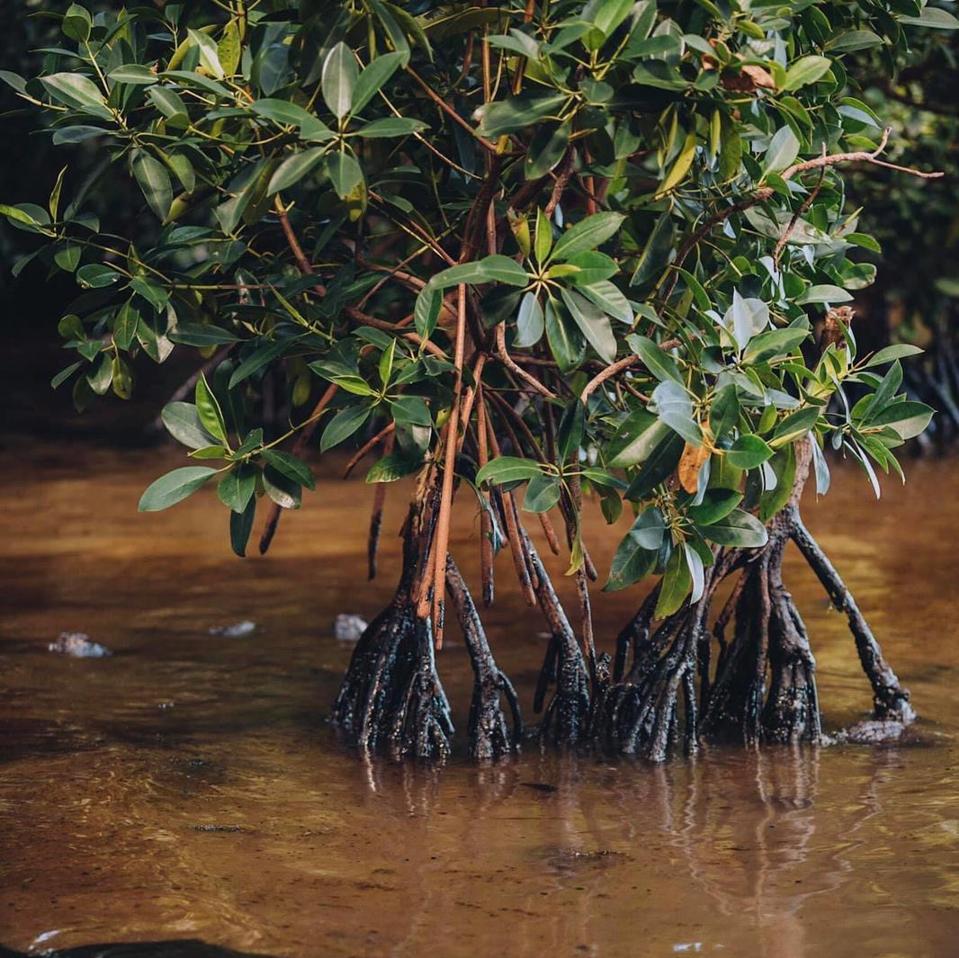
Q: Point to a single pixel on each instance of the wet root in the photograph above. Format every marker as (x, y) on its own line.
(490, 733)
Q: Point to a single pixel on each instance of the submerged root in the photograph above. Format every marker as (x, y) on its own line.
(490, 734)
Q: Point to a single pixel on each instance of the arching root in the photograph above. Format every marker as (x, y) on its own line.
(763, 686)
(566, 718)
(490, 735)
(391, 697)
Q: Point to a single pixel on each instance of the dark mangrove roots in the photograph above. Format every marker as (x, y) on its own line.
(391, 697)
(762, 687)
(490, 735)
(566, 718)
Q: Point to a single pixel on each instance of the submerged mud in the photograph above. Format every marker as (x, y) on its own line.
(185, 794)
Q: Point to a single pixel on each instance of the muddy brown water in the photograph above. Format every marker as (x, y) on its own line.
(188, 788)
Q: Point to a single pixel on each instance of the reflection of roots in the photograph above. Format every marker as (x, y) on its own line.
(763, 687)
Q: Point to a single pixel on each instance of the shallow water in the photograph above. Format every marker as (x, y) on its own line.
(187, 787)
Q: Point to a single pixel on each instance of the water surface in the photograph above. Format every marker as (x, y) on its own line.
(188, 788)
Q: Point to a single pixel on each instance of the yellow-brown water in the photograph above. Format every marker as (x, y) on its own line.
(113, 771)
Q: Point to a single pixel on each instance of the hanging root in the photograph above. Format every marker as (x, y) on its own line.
(391, 696)
(490, 736)
(890, 698)
(566, 719)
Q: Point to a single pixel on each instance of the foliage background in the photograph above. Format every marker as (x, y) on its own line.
(914, 299)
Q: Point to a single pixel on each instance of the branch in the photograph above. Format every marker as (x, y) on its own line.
(449, 111)
(510, 364)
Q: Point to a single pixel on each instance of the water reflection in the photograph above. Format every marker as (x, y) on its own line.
(187, 789)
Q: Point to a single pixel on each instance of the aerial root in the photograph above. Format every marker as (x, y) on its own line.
(890, 697)
(566, 716)
(391, 696)
(490, 734)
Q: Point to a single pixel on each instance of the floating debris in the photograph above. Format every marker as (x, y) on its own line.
(235, 631)
(349, 628)
(79, 645)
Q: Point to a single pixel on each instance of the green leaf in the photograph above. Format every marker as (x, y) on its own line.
(656, 254)
(674, 407)
(748, 451)
(170, 104)
(492, 269)
(237, 487)
(906, 417)
(633, 559)
(339, 80)
(154, 182)
(208, 409)
(546, 149)
(507, 469)
(241, 525)
(593, 323)
(174, 487)
(410, 411)
(125, 325)
(566, 342)
(655, 359)
(372, 78)
(209, 54)
(724, 412)
(659, 465)
(258, 359)
(681, 165)
(783, 466)
(283, 491)
(783, 150)
(346, 422)
(294, 168)
(587, 234)
(806, 70)
(290, 466)
(933, 18)
(134, 74)
(530, 322)
(426, 310)
(392, 467)
(716, 505)
(518, 112)
(182, 421)
(676, 585)
(738, 528)
(774, 342)
(391, 126)
(794, 426)
(201, 334)
(79, 92)
(891, 353)
(542, 493)
(609, 299)
(77, 23)
(345, 173)
(824, 294)
(635, 439)
(64, 374)
(544, 237)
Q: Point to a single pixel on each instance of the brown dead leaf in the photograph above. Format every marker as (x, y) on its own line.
(749, 79)
(837, 319)
(690, 464)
